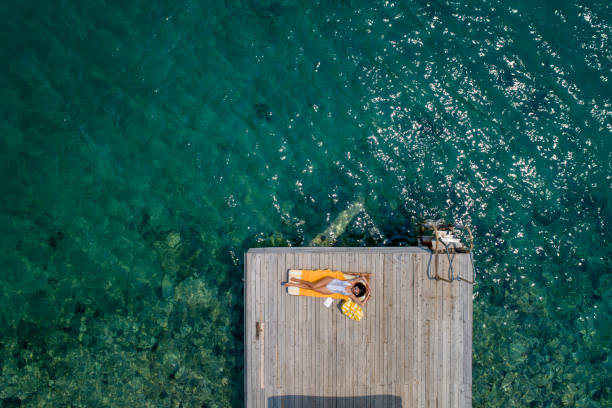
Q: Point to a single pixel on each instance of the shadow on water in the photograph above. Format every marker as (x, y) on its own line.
(289, 401)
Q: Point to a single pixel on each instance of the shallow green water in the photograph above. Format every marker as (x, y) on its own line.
(145, 146)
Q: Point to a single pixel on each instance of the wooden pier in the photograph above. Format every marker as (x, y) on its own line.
(413, 348)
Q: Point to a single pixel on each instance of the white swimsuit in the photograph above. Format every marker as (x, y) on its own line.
(338, 286)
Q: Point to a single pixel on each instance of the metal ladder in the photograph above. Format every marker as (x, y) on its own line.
(448, 248)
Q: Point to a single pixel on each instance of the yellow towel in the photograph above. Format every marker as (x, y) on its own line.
(311, 275)
(352, 310)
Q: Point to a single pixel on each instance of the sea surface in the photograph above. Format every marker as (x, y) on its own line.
(146, 145)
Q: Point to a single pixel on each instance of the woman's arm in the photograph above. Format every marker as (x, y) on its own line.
(356, 300)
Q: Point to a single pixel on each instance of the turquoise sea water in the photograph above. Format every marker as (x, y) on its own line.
(145, 145)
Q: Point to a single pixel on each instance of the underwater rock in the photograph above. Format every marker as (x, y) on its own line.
(263, 111)
(180, 254)
(545, 215)
(55, 239)
(169, 253)
(337, 228)
(275, 240)
(275, 9)
(167, 288)
(10, 402)
(173, 239)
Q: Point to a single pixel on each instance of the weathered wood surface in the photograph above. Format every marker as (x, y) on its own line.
(412, 349)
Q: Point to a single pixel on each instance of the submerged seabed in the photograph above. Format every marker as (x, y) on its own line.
(146, 145)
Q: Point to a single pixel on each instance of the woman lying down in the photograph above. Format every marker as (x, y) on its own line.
(353, 288)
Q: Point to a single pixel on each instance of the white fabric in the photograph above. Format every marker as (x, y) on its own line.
(338, 286)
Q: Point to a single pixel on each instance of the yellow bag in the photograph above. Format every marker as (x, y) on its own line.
(352, 310)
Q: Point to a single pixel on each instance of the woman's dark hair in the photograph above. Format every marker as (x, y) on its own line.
(361, 289)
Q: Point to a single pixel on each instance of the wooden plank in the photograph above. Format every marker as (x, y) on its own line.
(268, 333)
(407, 395)
(452, 397)
(469, 327)
(258, 331)
(347, 345)
(337, 264)
(300, 369)
(457, 335)
(402, 317)
(341, 263)
(461, 288)
(249, 333)
(444, 349)
(263, 344)
(407, 265)
(255, 348)
(391, 300)
(381, 386)
(301, 346)
(446, 340)
(434, 356)
(255, 345)
(287, 346)
(429, 363)
(417, 331)
(353, 364)
(438, 349)
(261, 280)
(308, 324)
(376, 336)
(348, 339)
(291, 305)
(406, 302)
(421, 331)
(338, 250)
(314, 378)
(366, 263)
(396, 340)
(464, 294)
(441, 353)
(278, 297)
(335, 317)
(421, 299)
(384, 318)
(398, 326)
(370, 375)
(362, 329)
(313, 348)
(281, 356)
(392, 315)
(273, 297)
(465, 288)
(328, 339)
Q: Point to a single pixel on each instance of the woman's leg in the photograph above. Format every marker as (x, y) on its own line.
(296, 285)
(321, 283)
(318, 286)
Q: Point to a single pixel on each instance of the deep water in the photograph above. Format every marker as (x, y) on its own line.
(145, 145)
